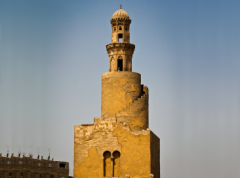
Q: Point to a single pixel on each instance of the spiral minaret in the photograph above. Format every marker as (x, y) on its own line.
(119, 143)
(123, 96)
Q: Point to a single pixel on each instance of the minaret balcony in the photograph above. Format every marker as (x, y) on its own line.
(112, 48)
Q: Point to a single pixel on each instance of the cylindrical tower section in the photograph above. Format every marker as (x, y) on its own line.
(118, 90)
(120, 56)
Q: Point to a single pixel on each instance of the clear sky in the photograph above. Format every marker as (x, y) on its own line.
(52, 56)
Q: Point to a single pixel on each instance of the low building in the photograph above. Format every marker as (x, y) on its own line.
(29, 167)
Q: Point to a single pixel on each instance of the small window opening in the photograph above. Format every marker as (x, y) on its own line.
(120, 38)
(120, 28)
(9, 161)
(21, 174)
(114, 28)
(52, 176)
(120, 65)
(49, 164)
(10, 174)
(126, 28)
(62, 165)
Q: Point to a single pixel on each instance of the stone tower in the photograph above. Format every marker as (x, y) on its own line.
(119, 143)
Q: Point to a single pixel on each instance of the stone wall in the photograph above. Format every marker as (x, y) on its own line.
(136, 113)
(118, 90)
(107, 135)
(98, 135)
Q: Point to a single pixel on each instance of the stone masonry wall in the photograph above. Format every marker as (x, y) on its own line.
(136, 113)
(91, 141)
(118, 90)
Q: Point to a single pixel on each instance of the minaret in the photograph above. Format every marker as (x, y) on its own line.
(120, 86)
(119, 143)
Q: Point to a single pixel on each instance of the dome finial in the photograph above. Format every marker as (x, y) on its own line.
(120, 6)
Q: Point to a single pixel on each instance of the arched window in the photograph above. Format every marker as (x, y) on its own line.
(116, 163)
(120, 38)
(107, 165)
(120, 65)
(126, 28)
(120, 28)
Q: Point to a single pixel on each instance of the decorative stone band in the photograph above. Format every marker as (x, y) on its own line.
(120, 45)
(119, 20)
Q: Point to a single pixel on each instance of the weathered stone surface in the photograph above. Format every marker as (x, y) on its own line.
(134, 148)
(136, 113)
(91, 166)
(98, 135)
(118, 90)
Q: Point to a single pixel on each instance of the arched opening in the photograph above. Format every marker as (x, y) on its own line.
(120, 38)
(116, 163)
(107, 164)
(120, 65)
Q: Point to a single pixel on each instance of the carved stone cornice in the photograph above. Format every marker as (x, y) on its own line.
(120, 20)
(120, 47)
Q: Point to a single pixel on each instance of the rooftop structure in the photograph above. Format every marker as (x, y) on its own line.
(29, 167)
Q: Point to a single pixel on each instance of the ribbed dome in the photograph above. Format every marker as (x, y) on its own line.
(120, 14)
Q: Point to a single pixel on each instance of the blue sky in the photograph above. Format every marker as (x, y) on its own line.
(52, 56)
